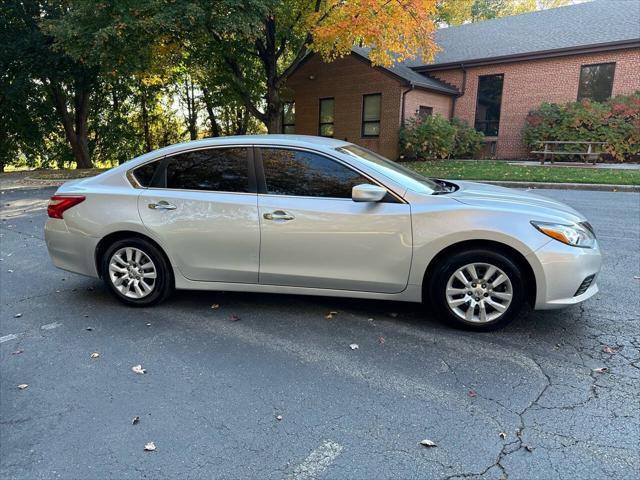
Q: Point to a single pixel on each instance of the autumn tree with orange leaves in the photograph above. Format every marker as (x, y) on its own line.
(250, 47)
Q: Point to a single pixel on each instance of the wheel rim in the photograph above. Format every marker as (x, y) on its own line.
(479, 292)
(132, 272)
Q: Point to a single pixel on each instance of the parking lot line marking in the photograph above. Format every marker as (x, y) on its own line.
(6, 338)
(51, 326)
(317, 461)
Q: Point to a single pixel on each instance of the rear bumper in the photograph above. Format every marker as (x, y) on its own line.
(72, 251)
(560, 272)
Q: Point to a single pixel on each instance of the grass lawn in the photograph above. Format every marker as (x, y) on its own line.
(496, 170)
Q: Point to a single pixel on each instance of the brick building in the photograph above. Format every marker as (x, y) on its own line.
(490, 74)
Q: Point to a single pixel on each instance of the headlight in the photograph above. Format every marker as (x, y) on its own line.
(576, 235)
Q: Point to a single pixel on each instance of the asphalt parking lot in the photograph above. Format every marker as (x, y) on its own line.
(279, 393)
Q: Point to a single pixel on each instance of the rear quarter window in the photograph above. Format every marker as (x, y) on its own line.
(144, 174)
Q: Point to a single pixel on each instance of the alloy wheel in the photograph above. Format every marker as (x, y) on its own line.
(132, 272)
(479, 292)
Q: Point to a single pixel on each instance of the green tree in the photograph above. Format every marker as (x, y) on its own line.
(258, 43)
(68, 84)
(457, 12)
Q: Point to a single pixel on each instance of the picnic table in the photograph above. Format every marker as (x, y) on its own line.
(593, 150)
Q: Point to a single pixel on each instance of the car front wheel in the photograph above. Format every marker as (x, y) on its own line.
(477, 290)
(137, 272)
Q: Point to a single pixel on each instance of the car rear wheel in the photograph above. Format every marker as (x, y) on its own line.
(477, 290)
(136, 272)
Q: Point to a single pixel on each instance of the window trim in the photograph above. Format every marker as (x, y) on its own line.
(320, 123)
(162, 170)
(613, 79)
(420, 107)
(476, 108)
(262, 180)
(362, 120)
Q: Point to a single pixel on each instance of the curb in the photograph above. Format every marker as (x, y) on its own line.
(564, 186)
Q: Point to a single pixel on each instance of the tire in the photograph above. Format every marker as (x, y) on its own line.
(136, 272)
(452, 298)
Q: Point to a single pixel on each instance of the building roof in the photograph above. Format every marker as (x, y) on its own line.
(580, 26)
(412, 77)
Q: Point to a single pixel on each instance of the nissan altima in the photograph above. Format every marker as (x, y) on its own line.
(307, 215)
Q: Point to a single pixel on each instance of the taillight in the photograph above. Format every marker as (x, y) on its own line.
(58, 204)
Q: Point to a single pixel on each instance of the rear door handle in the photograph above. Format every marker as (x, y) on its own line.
(162, 205)
(278, 215)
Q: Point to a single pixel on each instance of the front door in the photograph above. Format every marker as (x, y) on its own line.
(315, 235)
(204, 210)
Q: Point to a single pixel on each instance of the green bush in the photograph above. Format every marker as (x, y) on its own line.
(616, 121)
(467, 140)
(436, 137)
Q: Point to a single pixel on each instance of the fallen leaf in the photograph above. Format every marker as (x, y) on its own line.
(636, 277)
(428, 443)
(279, 417)
(600, 370)
(148, 324)
(394, 315)
(472, 393)
(381, 340)
(354, 346)
(528, 448)
(86, 316)
(10, 271)
(88, 329)
(215, 306)
(17, 315)
(17, 352)
(502, 435)
(135, 420)
(608, 349)
(234, 317)
(149, 447)
(330, 315)
(22, 386)
(95, 355)
(138, 369)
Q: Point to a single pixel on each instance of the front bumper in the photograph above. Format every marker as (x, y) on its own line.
(72, 251)
(560, 271)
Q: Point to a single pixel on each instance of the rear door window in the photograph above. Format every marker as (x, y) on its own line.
(213, 169)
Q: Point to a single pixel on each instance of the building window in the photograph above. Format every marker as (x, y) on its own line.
(371, 107)
(325, 128)
(424, 112)
(289, 117)
(596, 82)
(488, 104)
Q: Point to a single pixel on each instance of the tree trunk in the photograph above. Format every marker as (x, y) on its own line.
(208, 104)
(269, 57)
(145, 120)
(75, 124)
(192, 111)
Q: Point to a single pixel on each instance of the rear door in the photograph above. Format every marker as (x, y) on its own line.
(202, 205)
(315, 235)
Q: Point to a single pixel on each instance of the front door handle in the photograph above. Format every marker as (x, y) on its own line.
(278, 215)
(162, 205)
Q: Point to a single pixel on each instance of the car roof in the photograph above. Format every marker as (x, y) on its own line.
(292, 140)
(308, 141)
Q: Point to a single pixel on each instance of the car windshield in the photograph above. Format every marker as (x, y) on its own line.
(393, 170)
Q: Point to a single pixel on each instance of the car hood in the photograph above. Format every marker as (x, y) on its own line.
(491, 196)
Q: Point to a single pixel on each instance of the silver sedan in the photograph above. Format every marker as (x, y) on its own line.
(306, 215)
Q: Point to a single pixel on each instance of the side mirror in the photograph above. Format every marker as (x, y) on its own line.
(367, 193)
